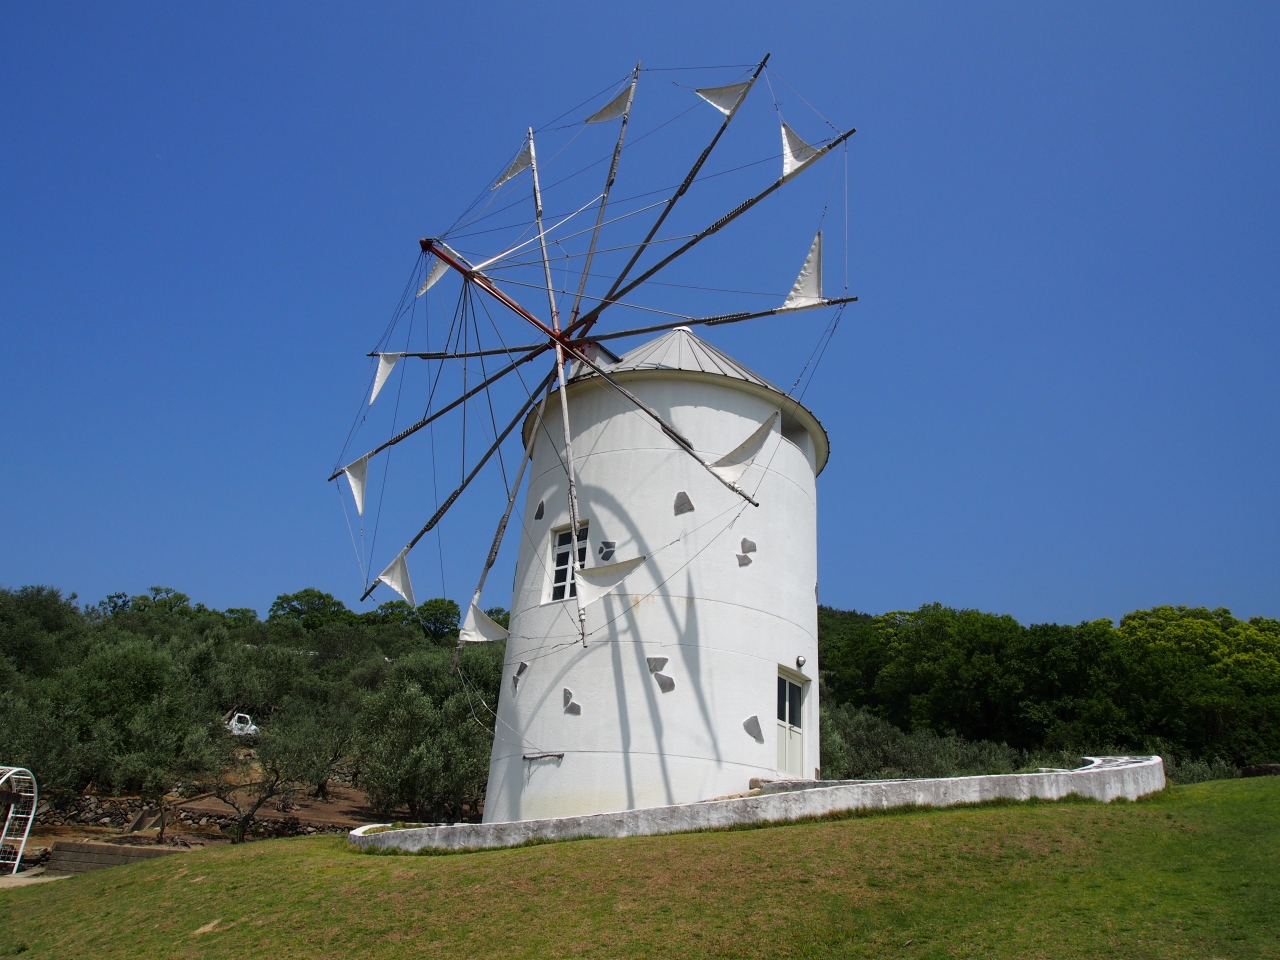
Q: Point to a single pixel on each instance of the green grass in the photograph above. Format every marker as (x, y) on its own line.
(1193, 872)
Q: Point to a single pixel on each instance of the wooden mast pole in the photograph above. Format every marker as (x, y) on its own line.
(604, 198)
(590, 317)
(575, 562)
(680, 192)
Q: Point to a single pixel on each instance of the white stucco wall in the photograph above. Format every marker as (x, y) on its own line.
(1104, 778)
(725, 629)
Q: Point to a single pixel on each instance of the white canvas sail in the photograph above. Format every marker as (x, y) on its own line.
(479, 627)
(438, 270)
(734, 464)
(594, 582)
(725, 99)
(355, 476)
(518, 166)
(386, 363)
(611, 110)
(396, 576)
(807, 290)
(795, 152)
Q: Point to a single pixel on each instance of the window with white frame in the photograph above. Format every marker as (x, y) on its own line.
(562, 564)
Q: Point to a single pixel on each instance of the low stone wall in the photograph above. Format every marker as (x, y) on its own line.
(120, 812)
(73, 857)
(1105, 779)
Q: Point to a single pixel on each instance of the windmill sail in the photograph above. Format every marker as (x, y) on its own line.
(807, 290)
(734, 464)
(518, 166)
(725, 99)
(386, 363)
(594, 582)
(438, 270)
(479, 627)
(611, 110)
(796, 154)
(356, 473)
(396, 576)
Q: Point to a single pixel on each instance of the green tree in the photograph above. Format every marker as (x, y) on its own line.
(439, 619)
(310, 607)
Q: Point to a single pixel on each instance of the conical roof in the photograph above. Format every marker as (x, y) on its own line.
(681, 350)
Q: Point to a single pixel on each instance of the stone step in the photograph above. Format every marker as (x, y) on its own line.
(81, 857)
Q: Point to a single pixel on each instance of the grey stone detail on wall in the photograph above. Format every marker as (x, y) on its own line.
(748, 546)
(683, 503)
(537, 514)
(570, 707)
(1104, 778)
(665, 683)
(744, 560)
(752, 726)
(656, 663)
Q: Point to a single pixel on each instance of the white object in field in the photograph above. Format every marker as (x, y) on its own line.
(634, 734)
(19, 795)
(807, 290)
(242, 725)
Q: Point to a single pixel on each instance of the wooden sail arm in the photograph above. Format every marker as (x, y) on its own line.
(498, 535)
(591, 315)
(445, 355)
(675, 197)
(604, 198)
(410, 430)
(715, 320)
(452, 498)
(580, 342)
(432, 246)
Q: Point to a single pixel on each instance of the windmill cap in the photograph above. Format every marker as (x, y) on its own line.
(681, 354)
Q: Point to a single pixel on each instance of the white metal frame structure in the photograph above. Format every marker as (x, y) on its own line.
(20, 785)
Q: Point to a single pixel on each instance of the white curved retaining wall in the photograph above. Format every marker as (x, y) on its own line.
(623, 738)
(1105, 779)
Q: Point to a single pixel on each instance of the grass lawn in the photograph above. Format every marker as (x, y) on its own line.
(1193, 872)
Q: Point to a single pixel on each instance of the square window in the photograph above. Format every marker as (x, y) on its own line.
(562, 585)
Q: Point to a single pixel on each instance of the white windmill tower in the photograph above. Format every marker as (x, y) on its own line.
(662, 645)
(708, 639)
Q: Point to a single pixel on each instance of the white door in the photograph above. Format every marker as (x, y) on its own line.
(790, 740)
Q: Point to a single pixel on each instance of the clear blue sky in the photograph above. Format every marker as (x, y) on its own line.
(1057, 398)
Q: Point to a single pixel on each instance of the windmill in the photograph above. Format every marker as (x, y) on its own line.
(618, 691)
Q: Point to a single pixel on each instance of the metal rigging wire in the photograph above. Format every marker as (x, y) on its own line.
(465, 324)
